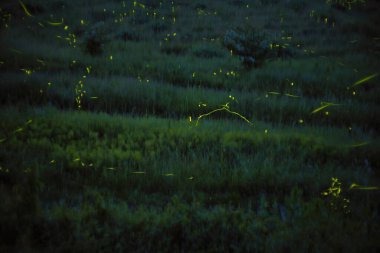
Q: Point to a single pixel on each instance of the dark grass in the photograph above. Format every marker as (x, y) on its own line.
(129, 172)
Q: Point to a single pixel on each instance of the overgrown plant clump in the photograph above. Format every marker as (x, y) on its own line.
(254, 47)
(95, 38)
(251, 45)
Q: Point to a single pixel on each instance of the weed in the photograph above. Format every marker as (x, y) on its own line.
(249, 44)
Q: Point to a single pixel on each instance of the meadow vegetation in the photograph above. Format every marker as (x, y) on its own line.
(114, 133)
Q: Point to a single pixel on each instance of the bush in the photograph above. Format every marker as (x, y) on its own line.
(95, 38)
(251, 45)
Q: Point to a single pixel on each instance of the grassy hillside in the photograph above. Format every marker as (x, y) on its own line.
(189, 126)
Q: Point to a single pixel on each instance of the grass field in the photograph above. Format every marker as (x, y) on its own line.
(132, 126)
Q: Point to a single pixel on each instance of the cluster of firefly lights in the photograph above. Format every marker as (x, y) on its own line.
(335, 194)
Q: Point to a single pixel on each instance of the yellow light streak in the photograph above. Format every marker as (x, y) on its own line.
(25, 9)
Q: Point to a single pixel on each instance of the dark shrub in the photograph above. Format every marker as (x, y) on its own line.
(251, 45)
(95, 38)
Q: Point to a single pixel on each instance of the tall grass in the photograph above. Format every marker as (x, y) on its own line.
(133, 171)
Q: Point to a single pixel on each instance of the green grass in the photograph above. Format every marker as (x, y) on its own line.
(130, 172)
